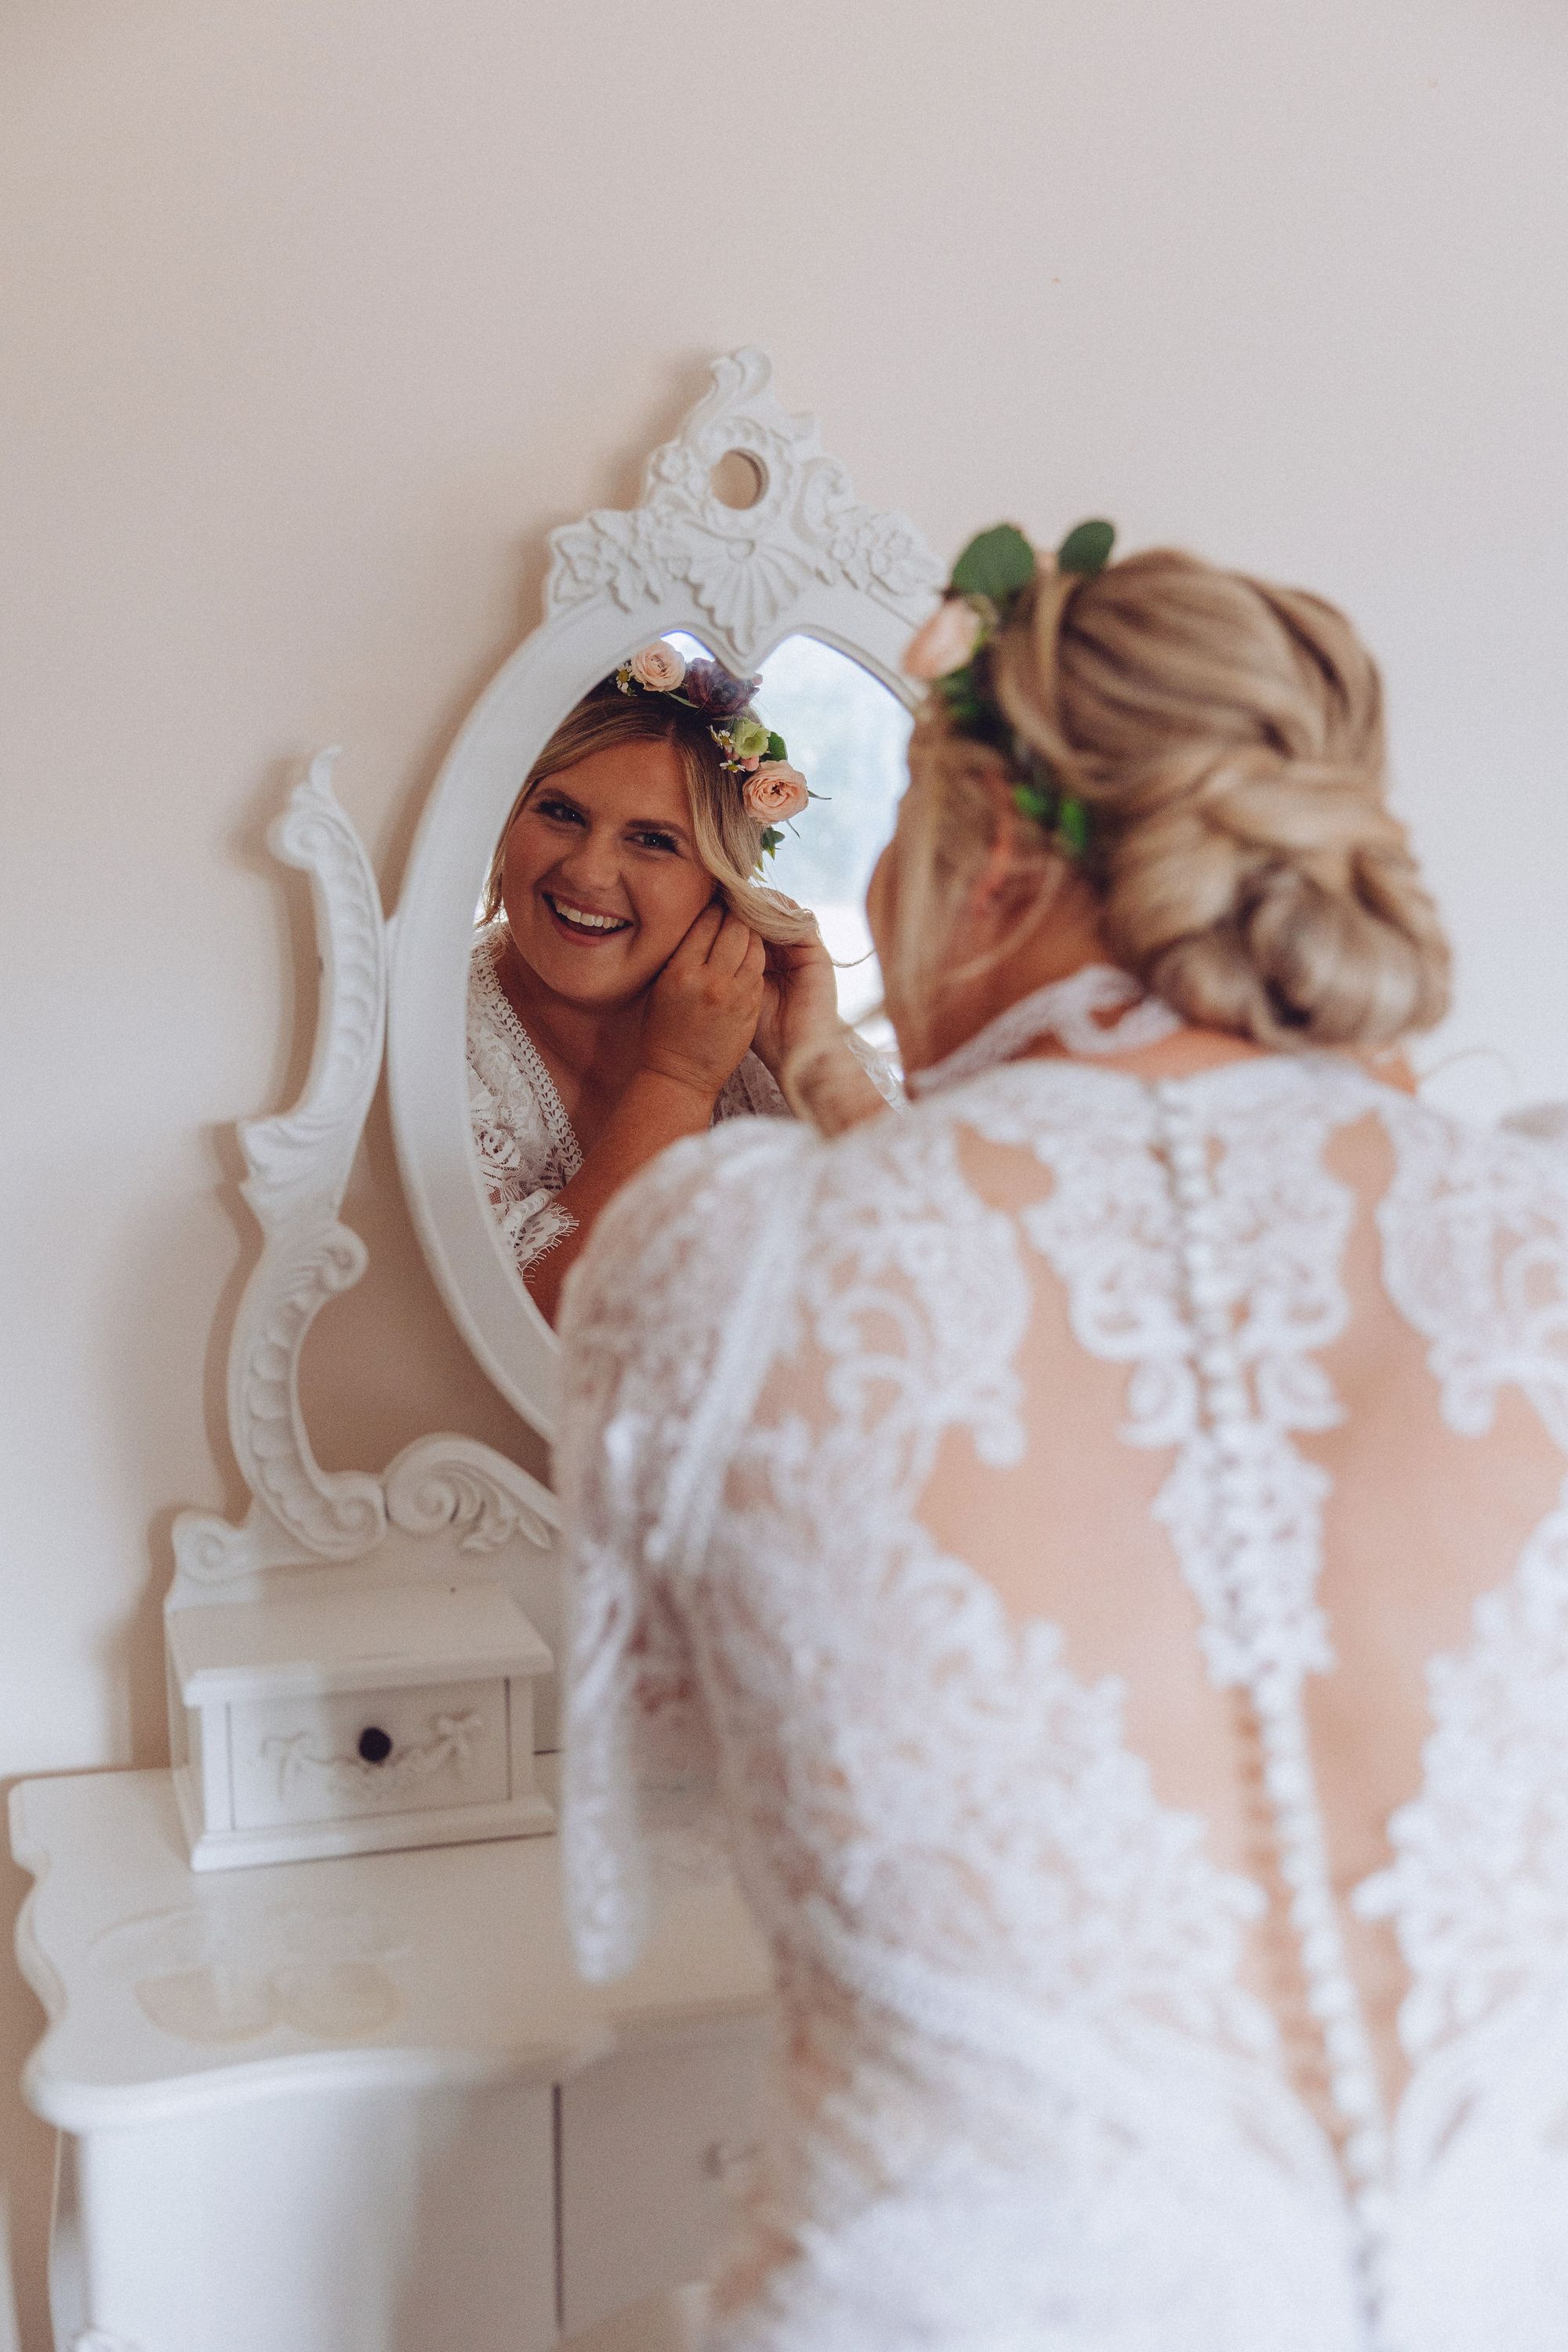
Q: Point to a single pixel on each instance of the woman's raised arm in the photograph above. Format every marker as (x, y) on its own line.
(702, 1014)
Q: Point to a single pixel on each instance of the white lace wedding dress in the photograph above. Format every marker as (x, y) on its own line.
(1096, 1556)
(527, 1151)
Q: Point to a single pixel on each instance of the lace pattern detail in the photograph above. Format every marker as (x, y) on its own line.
(637, 1379)
(1270, 1254)
(1065, 1010)
(1027, 2104)
(1479, 1887)
(527, 1151)
(1475, 1234)
(1001, 1769)
(1472, 1230)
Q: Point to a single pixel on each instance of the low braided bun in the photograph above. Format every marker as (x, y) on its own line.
(1226, 738)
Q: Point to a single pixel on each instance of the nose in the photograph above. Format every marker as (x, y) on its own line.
(593, 863)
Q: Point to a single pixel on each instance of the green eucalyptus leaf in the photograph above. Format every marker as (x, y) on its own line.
(770, 841)
(997, 564)
(776, 748)
(1072, 825)
(960, 691)
(1086, 548)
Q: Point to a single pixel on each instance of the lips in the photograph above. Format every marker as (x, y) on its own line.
(584, 922)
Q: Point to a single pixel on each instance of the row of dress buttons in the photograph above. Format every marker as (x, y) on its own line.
(1240, 1521)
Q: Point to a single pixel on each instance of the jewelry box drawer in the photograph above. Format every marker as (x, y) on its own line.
(352, 1753)
(656, 2146)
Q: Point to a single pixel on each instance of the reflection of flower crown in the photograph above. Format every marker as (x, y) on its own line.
(952, 654)
(770, 789)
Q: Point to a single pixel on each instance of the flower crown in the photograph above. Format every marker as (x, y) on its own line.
(773, 791)
(952, 654)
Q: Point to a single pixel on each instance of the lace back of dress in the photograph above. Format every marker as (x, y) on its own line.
(1265, 1631)
(1113, 1544)
(1252, 1251)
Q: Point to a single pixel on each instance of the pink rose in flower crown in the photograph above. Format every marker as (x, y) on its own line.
(774, 792)
(658, 668)
(944, 644)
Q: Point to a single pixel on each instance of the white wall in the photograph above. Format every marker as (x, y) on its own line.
(317, 314)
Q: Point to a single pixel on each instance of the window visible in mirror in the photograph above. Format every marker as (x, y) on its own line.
(848, 736)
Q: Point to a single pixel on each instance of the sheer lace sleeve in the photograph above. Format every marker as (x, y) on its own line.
(523, 1139)
(749, 1092)
(663, 1347)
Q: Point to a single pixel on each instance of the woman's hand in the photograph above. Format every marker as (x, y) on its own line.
(800, 1003)
(805, 1045)
(702, 1010)
(697, 1025)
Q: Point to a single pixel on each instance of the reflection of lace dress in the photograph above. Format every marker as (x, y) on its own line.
(527, 1151)
(1264, 1346)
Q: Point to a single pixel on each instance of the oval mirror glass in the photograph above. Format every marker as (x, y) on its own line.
(574, 892)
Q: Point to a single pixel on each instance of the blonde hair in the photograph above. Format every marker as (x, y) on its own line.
(728, 838)
(1226, 739)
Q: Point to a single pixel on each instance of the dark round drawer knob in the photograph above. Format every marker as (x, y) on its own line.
(374, 1744)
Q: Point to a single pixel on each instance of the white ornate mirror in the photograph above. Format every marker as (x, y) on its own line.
(750, 542)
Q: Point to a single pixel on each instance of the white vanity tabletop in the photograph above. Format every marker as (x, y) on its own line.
(381, 1639)
(169, 1992)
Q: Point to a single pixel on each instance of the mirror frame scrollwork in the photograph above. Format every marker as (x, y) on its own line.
(467, 1501)
(805, 558)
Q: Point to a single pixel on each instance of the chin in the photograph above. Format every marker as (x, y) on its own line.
(575, 981)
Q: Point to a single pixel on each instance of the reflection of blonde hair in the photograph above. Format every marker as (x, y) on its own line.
(727, 838)
(1226, 738)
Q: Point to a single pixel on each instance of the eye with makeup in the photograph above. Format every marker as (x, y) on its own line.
(559, 811)
(556, 809)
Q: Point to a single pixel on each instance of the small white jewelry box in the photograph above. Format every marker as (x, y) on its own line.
(354, 1722)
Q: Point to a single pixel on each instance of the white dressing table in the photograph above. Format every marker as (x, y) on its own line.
(325, 2078)
(366, 2106)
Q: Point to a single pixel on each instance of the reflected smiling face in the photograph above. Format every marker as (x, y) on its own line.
(600, 879)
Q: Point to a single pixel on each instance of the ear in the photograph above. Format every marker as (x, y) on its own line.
(995, 886)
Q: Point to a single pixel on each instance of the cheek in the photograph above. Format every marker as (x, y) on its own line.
(527, 854)
(668, 899)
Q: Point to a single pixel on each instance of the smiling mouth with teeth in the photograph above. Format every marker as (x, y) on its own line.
(578, 919)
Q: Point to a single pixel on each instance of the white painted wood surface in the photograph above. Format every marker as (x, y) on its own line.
(377, 1639)
(350, 1722)
(321, 2107)
(653, 2148)
(353, 2220)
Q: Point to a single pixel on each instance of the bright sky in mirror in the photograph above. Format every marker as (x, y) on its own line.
(847, 735)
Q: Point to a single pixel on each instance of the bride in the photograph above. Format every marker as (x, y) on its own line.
(1094, 1549)
(632, 981)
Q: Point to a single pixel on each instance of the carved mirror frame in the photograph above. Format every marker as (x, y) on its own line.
(803, 558)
